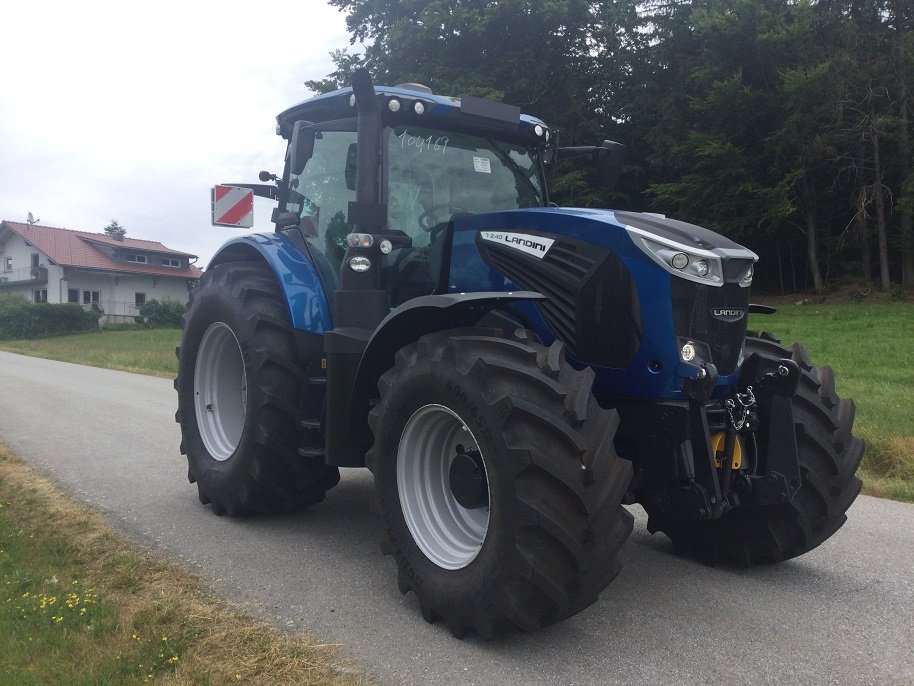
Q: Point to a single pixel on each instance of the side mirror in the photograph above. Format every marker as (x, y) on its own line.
(609, 158)
(302, 146)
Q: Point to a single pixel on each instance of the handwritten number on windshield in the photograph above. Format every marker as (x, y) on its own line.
(429, 143)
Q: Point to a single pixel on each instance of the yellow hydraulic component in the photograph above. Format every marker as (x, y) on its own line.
(719, 444)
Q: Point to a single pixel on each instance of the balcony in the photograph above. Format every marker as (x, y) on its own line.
(20, 277)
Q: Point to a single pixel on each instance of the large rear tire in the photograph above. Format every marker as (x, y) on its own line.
(498, 485)
(828, 454)
(239, 390)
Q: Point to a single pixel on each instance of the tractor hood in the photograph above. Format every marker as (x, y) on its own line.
(683, 250)
(613, 281)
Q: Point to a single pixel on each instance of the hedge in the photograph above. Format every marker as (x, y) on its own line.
(21, 319)
(162, 314)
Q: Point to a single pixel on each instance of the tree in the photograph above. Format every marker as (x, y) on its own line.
(534, 54)
(781, 123)
(115, 230)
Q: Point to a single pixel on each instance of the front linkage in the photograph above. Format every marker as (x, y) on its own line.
(740, 451)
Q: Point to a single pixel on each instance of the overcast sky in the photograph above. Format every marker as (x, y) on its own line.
(132, 111)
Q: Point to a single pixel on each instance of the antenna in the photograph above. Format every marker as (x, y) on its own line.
(31, 220)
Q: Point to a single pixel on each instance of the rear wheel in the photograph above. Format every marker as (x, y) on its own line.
(497, 482)
(239, 391)
(828, 454)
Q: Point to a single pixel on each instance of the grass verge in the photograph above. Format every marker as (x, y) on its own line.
(870, 346)
(78, 605)
(142, 351)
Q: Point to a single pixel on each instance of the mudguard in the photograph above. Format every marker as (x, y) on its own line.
(296, 274)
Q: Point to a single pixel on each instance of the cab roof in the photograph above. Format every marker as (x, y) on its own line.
(414, 104)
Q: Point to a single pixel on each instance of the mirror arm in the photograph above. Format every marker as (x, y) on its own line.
(261, 190)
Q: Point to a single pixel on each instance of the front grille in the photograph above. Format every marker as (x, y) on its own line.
(693, 307)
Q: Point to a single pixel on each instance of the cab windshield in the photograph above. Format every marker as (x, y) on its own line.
(433, 175)
(429, 177)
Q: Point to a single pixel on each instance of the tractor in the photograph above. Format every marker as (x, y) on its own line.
(513, 373)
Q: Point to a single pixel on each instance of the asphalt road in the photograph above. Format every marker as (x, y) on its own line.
(842, 614)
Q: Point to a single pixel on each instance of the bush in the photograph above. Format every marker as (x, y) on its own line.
(164, 314)
(21, 319)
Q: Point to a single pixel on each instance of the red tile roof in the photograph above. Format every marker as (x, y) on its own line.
(78, 249)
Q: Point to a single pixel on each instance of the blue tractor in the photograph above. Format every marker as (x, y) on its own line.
(513, 373)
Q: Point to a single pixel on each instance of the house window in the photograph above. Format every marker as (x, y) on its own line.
(171, 262)
(40, 295)
(34, 260)
(139, 299)
(8, 264)
(90, 297)
(136, 259)
(73, 295)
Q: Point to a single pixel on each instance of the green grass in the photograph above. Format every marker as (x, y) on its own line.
(870, 345)
(143, 351)
(79, 606)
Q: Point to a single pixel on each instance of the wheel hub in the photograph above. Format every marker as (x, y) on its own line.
(468, 479)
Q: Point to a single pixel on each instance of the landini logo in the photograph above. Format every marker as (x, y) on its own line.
(728, 314)
(532, 245)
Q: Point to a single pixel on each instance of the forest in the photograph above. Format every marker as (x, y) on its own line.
(783, 124)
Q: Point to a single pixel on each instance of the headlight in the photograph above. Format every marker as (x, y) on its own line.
(360, 264)
(697, 265)
(747, 279)
(691, 252)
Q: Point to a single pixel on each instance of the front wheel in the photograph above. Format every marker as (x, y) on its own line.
(828, 454)
(497, 482)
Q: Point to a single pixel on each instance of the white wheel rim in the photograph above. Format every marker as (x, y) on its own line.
(447, 533)
(220, 391)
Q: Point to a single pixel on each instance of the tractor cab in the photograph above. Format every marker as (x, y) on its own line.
(429, 175)
(426, 159)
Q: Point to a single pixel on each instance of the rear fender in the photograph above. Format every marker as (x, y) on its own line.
(296, 276)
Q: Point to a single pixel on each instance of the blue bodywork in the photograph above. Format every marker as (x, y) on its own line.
(654, 372)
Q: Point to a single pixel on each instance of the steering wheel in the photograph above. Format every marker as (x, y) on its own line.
(427, 219)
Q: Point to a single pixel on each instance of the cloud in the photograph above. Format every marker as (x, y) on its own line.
(133, 111)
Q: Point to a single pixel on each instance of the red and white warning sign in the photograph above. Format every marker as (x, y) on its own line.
(233, 206)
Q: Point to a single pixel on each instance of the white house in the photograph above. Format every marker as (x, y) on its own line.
(117, 275)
